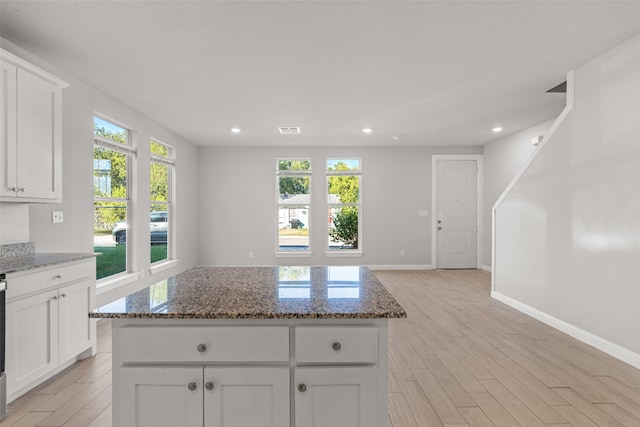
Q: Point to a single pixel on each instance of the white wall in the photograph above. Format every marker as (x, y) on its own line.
(504, 158)
(568, 234)
(75, 234)
(238, 214)
(14, 223)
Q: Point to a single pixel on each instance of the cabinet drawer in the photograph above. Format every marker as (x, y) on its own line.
(203, 344)
(336, 345)
(55, 276)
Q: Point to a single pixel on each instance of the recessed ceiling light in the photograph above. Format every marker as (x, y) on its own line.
(235, 130)
(367, 130)
(497, 129)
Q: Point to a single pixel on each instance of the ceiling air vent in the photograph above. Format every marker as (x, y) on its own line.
(289, 130)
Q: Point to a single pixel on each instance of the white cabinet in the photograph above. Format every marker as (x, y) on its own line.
(336, 397)
(152, 396)
(31, 140)
(248, 396)
(249, 373)
(47, 323)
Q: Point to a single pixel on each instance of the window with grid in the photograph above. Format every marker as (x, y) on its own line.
(293, 180)
(161, 176)
(344, 202)
(112, 155)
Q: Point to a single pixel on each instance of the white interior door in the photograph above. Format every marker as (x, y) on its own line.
(457, 214)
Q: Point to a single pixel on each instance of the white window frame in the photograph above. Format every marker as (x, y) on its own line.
(171, 260)
(301, 253)
(129, 149)
(344, 253)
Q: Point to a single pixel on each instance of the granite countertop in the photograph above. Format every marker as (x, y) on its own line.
(18, 263)
(260, 293)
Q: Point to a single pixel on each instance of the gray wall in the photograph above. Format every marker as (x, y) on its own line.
(568, 233)
(238, 214)
(75, 234)
(503, 160)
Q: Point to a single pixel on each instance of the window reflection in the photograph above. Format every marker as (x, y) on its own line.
(294, 282)
(343, 282)
(158, 298)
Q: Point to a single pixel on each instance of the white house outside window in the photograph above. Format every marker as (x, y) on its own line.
(293, 181)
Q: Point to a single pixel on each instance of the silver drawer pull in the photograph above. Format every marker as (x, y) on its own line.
(202, 348)
(209, 385)
(336, 346)
(302, 387)
(192, 386)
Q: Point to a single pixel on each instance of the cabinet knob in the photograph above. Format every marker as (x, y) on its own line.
(59, 276)
(336, 346)
(209, 385)
(14, 189)
(63, 295)
(22, 189)
(302, 387)
(54, 298)
(192, 386)
(202, 348)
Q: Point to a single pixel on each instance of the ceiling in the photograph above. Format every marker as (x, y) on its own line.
(430, 73)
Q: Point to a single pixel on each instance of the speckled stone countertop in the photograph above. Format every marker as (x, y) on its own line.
(14, 264)
(260, 293)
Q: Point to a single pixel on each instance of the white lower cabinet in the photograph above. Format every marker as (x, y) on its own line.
(336, 397)
(48, 328)
(208, 373)
(209, 397)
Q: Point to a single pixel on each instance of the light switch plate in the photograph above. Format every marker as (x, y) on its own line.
(57, 217)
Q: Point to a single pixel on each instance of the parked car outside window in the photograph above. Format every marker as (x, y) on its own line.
(158, 225)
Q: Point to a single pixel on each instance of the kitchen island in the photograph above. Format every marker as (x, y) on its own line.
(253, 346)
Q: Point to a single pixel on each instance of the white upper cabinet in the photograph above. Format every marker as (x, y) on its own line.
(31, 132)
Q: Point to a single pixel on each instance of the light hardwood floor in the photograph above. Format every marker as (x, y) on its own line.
(459, 359)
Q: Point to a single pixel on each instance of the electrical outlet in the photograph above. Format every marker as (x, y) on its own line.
(57, 217)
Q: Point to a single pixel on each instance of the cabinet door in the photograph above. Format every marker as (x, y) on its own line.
(336, 397)
(243, 397)
(159, 397)
(8, 141)
(32, 337)
(75, 327)
(39, 150)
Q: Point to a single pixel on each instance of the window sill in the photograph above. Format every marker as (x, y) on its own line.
(293, 254)
(347, 253)
(110, 283)
(160, 266)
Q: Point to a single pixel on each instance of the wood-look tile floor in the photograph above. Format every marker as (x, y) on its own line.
(459, 359)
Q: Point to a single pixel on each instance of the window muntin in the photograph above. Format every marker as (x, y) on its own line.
(111, 165)
(293, 180)
(161, 175)
(343, 200)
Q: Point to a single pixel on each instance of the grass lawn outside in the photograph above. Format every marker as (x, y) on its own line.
(114, 259)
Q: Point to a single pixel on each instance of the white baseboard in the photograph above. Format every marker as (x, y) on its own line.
(486, 268)
(602, 344)
(401, 267)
